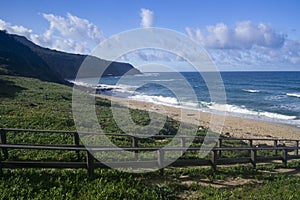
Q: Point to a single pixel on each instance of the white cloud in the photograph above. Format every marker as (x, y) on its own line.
(73, 27)
(20, 30)
(147, 17)
(70, 34)
(244, 36)
(258, 57)
(248, 46)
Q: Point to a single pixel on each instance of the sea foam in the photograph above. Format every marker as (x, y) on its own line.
(293, 95)
(251, 91)
(155, 99)
(245, 111)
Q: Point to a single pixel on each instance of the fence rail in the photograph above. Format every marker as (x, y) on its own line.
(289, 150)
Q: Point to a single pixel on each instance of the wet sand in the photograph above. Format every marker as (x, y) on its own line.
(233, 126)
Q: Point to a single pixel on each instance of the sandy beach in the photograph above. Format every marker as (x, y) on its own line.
(233, 126)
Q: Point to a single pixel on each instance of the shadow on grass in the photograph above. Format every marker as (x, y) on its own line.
(8, 88)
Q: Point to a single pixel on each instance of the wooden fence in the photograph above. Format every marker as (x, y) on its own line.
(283, 150)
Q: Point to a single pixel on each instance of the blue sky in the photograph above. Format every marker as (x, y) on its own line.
(239, 35)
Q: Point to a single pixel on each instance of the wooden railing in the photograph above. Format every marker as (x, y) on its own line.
(289, 150)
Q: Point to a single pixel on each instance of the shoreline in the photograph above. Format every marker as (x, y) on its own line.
(233, 126)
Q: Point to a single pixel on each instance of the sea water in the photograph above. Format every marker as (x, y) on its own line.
(268, 96)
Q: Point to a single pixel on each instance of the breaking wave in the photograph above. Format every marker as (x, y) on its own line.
(251, 91)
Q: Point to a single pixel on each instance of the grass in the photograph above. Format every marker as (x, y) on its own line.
(33, 104)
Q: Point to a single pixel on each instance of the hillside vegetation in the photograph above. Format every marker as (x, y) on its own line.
(19, 56)
(31, 103)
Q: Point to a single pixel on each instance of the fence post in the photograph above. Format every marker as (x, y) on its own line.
(253, 157)
(160, 160)
(90, 164)
(296, 148)
(276, 145)
(284, 157)
(135, 144)
(250, 144)
(183, 143)
(220, 141)
(4, 141)
(214, 154)
(76, 143)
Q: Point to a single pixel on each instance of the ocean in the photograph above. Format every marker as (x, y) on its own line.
(267, 96)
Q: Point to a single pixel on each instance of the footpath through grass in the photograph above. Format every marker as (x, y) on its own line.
(33, 104)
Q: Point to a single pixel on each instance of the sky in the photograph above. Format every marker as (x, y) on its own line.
(238, 35)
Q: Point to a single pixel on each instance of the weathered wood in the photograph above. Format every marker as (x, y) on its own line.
(229, 161)
(43, 147)
(253, 157)
(264, 159)
(275, 145)
(4, 141)
(183, 145)
(90, 164)
(284, 157)
(296, 151)
(220, 141)
(160, 160)
(38, 131)
(76, 143)
(95, 148)
(214, 154)
(250, 145)
(293, 157)
(191, 162)
(42, 164)
(127, 164)
(135, 144)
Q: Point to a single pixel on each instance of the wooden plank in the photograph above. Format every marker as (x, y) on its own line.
(267, 158)
(38, 131)
(190, 162)
(82, 148)
(228, 161)
(128, 164)
(42, 164)
(43, 147)
(293, 156)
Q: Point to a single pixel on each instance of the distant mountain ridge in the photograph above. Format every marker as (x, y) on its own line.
(19, 56)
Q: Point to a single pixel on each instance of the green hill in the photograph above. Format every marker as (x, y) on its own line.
(19, 56)
(18, 59)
